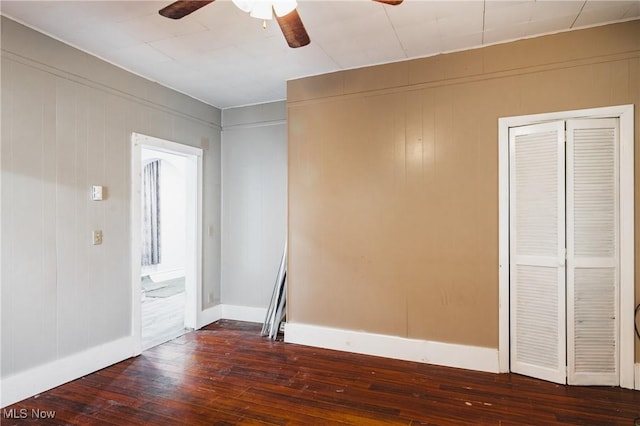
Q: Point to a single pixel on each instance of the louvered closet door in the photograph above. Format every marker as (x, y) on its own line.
(537, 251)
(592, 252)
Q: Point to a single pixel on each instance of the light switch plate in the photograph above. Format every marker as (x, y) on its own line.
(96, 193)
(97, 237)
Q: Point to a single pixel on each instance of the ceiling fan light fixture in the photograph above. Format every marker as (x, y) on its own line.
(285, 10)
(284, 7)
(261, 10)
(244, 5)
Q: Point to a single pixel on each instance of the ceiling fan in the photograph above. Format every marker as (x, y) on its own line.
(285, 11)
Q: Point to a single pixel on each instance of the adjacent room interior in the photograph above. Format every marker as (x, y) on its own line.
(455, 186)
(163, 246)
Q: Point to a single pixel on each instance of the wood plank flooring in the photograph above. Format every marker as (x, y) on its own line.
(226, 374)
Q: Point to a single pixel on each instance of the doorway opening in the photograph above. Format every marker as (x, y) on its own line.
(166, 244)
(585, 159)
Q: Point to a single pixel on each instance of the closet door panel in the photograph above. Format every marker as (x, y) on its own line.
(592, 252)
(537, 251)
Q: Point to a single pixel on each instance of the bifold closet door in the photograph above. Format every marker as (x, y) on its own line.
(537, 251)
(592, 252)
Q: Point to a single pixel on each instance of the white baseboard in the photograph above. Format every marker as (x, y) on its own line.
(244, 313)
(28, 383)
(438, 353)
(637, 378)
(231, 312)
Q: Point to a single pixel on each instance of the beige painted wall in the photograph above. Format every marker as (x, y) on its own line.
(393, 178)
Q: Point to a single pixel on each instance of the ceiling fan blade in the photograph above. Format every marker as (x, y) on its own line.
(293, 29)
(390, 2)
(182, 8)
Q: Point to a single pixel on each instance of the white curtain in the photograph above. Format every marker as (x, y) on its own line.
(151, 214)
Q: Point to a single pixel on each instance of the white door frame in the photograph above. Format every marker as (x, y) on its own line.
(625, 113)
(193, 265)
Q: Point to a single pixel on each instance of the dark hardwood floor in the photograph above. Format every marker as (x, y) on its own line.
(226, 374)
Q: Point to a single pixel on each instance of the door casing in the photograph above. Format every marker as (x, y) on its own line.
(625, 113)
(193, 258)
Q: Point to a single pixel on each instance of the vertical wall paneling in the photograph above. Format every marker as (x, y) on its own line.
(28, 196)
(69, 324)
(435, 230)
(254, 205)
(63, 131)
(94, 164)
(212, 243)
(6, 220)
(116, 212)
(49, 294)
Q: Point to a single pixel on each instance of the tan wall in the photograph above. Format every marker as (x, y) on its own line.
(393, 178)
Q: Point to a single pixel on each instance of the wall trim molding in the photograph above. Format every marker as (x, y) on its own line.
(244, 313)
(454, 81)
(8, 55)
(47, 376)
(637, 378)
(254, 125)
(231, 312)
(429, 352)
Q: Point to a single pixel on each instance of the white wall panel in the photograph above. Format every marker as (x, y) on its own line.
(6, 221)
(94, 278)
(199, 134)
(31, 261)
(254, 171)
(49, 170)
(70, 335)
(116, 215)
(65, 127)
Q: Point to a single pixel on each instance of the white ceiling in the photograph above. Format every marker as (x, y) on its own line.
(225, 58)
